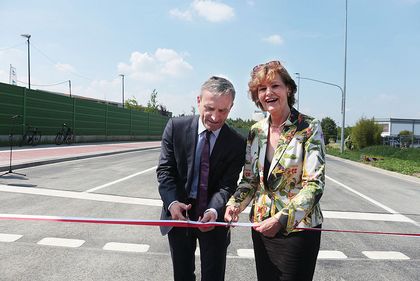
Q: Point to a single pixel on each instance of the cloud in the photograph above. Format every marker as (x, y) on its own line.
(212, 11)
(274, 39)
(186, 15)
(64, 67)
(162, 64)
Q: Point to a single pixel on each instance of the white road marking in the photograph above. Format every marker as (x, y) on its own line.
(61, 242)
(245, 253)
(365, 216)
(81, 195)
(380, 205)
(158, 203)
(385, 255)
(9, 237)
(331, 255)
(120, 180)
(126, 247)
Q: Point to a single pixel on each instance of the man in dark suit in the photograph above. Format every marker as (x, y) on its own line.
(199, 166)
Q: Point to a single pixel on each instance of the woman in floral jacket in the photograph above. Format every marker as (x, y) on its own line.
(284, 175)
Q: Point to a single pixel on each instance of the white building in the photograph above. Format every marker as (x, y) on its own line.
(393, 126)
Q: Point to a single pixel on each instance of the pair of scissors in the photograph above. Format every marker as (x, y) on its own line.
(229, 224)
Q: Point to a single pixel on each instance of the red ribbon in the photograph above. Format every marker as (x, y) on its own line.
(173, 223)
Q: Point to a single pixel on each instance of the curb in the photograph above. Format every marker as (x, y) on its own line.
(71, 158)
(376, 169)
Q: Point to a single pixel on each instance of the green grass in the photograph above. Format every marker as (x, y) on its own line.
(404, 161)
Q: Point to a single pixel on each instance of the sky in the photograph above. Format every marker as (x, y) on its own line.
(173, 46)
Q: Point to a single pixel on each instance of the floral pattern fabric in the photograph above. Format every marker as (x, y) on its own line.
(296, 176)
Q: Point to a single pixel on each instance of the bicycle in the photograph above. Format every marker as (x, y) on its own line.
(65, 135)
(32, 136)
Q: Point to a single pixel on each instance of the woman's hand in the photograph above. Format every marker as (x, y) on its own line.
(232, 214)
(268, 227)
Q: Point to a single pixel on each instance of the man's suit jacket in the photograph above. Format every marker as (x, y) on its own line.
(176, 165)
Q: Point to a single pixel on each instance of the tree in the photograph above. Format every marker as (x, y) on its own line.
(240, 124)
(132, 103)
(406, 138)
(154, 107)
(163, 111)
(152, 104)
(329, 128)
(366, 133)
(193, 110)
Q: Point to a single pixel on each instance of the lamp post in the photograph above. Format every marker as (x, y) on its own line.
(342, 106)
(70, 87)
(122, 88)
(28, 36)
(298, 89)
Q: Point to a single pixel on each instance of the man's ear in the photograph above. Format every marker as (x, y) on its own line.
(198, 100)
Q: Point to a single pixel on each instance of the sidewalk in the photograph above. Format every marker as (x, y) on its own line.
(23, 157)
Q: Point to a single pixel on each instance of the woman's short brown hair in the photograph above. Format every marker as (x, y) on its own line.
(266, 72)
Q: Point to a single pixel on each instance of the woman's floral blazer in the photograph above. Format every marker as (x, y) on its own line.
(296, 176)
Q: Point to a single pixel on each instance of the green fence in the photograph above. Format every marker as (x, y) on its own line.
(21, 107)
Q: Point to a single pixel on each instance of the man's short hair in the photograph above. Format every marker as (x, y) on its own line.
(219, 86)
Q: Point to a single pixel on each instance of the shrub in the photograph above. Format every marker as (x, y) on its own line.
(366, 133)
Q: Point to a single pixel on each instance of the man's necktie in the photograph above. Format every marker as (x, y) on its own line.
(204, 175)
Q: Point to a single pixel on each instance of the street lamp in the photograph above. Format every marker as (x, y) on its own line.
(298, 89)
(342, 106)
(69, 87)
(122, 88)
(28, 36)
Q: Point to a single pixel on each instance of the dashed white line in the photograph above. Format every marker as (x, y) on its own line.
(331, 255)
(126, 247)
(9, 237)
(385, 255)
(245, 253)
(241, 253)
(61, 242)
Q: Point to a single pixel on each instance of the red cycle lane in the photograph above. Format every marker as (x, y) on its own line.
(33, 156)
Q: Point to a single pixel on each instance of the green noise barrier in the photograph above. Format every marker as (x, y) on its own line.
(90, 120)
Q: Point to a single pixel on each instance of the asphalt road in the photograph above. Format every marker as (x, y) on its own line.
(124, 186)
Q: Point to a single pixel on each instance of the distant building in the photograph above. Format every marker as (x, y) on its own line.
(391, 128)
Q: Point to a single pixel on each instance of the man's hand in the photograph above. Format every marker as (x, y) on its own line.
(232, 214)
(207, 217)
(177, 211)
(268, 227)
